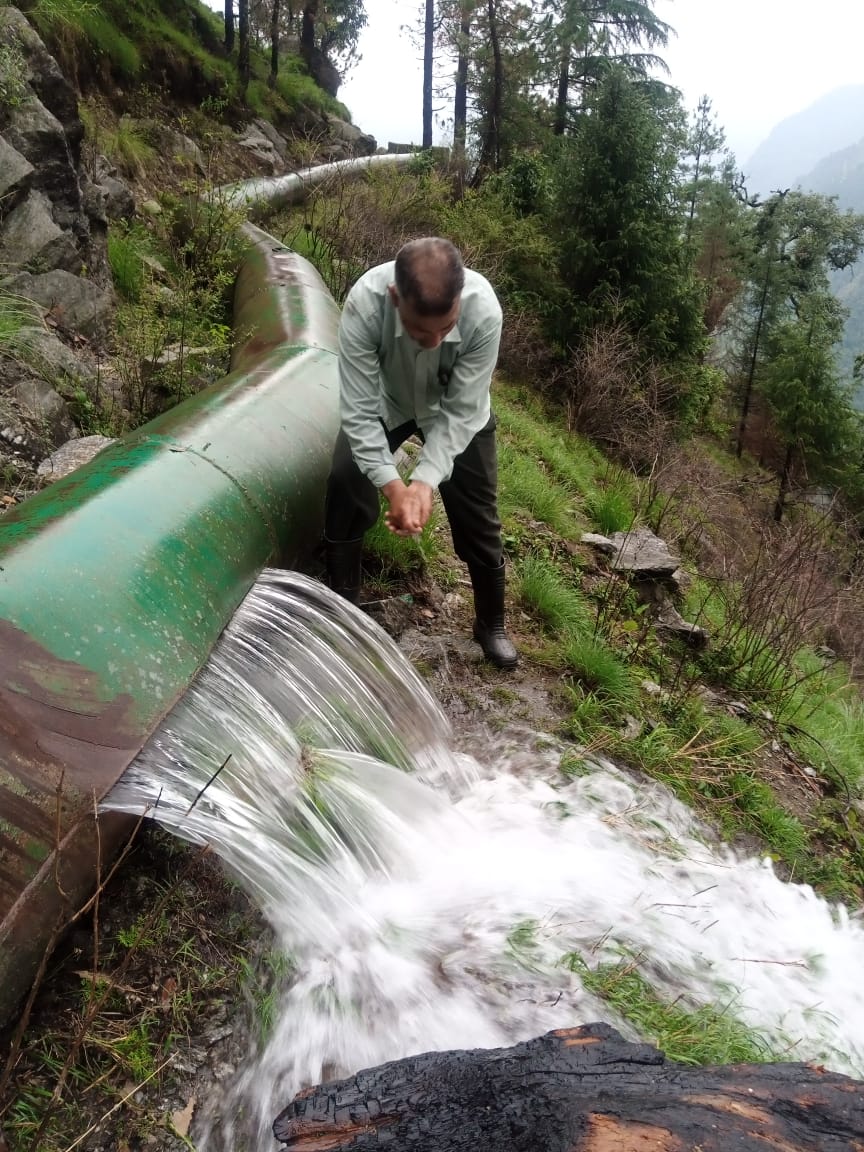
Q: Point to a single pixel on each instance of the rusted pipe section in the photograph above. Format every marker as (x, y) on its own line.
(116, 582)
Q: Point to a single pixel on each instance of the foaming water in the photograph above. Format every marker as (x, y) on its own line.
(426, 899)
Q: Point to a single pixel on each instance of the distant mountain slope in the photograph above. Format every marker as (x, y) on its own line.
(797, 144)
(842, 175)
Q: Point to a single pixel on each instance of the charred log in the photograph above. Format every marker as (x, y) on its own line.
(577, 1090)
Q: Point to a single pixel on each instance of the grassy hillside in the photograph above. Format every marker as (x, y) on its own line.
(174, 48)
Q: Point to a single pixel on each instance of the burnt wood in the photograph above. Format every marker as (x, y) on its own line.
(577, 1090)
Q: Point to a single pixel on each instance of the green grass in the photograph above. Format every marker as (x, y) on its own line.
(698, 1036)
(569, 459)
(611, 510)
(600, 670)
(18, 319)
(829, 718)
(126, 252)
(106, 39)
(543, 590)
(399, 555)
(127, 146)
(525, 486)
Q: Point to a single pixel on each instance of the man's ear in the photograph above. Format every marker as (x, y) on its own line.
(394, 295)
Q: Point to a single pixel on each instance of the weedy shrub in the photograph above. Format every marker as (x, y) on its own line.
(761, 621)
(616, 396)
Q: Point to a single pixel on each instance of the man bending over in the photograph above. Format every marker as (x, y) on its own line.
(418, 342)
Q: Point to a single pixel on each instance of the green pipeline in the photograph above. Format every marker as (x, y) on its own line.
(116, 582)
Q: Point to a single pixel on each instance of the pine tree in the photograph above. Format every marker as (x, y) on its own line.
(620, 232)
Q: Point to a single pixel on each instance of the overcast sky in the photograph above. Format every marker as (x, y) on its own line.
(758, 60)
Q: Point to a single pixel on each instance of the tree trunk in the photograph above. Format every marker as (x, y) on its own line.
(577, 1090)
(785, 483)
(563, 97)
(243, 47)
(307, 31)
(754, 358)
(460, 102)
(490, 155)
(229, 25)
(428, 58)
(274, 43)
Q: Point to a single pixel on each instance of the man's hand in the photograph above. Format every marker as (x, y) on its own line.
(410, 506)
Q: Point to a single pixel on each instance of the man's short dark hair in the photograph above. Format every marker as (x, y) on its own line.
(429, 275)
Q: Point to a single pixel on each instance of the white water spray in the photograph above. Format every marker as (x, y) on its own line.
(426, 900)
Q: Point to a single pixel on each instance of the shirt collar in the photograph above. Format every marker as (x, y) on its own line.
(454, 336)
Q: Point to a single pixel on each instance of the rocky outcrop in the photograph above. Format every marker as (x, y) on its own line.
(654, 572)
(53, 245)
(347, 140)
(44, 222)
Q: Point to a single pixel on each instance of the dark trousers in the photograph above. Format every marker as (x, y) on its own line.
(470, 496)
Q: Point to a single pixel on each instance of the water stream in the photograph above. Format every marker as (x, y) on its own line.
(425, 898)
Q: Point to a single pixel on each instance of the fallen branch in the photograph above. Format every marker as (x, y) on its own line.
(577, 1090)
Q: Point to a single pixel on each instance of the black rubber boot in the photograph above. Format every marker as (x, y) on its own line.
(489, 630)
(343, 559)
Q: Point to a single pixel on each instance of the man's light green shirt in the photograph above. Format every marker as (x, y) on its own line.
(385, 375)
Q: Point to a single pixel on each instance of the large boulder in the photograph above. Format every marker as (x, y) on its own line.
(73, 303)
(31, 239)
(262, 148)
(351, 139)
(44, 220)
(71, 455)
(15, 173)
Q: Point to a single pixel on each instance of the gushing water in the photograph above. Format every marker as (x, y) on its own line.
(426, 899)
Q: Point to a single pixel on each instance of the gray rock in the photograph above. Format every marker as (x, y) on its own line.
(262, 148)
(43, 409)
(276, 139)
(55, 362)
(76, 304)
(641, 552)
(602, 543)
(45, 78)
(71, 455)
(15, 173)
(30, 239)
(177, 147)
(358, 143)
(119, 201)
(670, 620)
